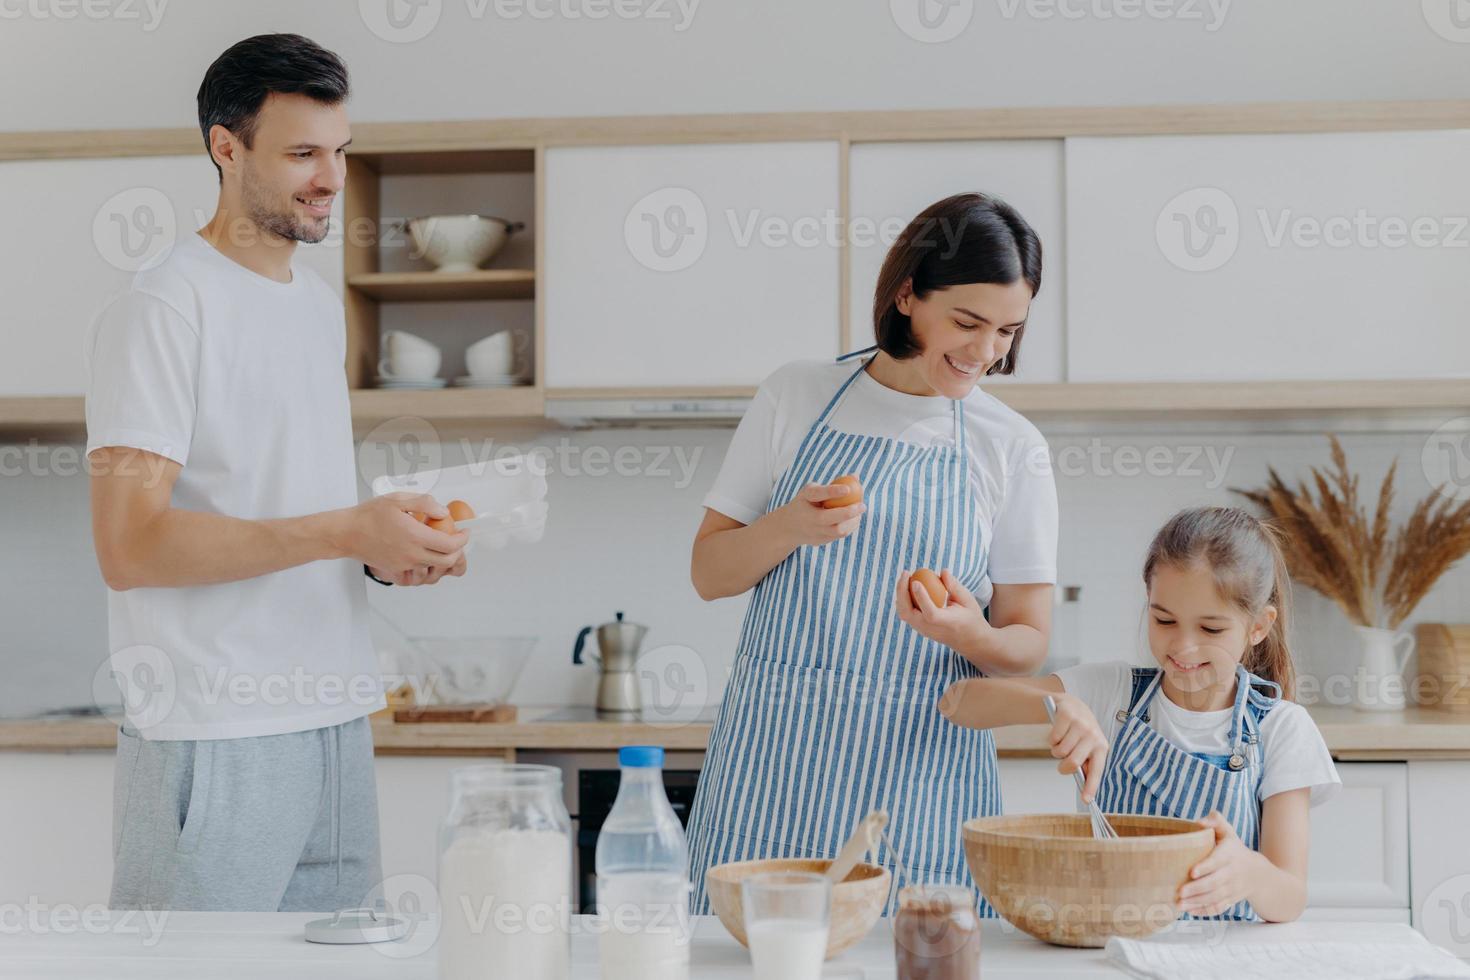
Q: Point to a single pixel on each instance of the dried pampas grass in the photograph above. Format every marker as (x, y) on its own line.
(1333, 546)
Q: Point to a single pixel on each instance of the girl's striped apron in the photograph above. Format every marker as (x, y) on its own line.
(832, 706)
(1147, 773)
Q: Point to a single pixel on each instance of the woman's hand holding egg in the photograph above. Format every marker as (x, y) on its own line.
(958, 623)
(818, 514)
(1078, 740)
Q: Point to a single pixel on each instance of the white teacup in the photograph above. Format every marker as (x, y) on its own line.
(492, 356)
(395, 342)
(410, 366)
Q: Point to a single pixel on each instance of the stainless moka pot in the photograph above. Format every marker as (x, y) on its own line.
(617, 688)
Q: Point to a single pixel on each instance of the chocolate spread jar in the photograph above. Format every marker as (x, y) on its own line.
(936, 934)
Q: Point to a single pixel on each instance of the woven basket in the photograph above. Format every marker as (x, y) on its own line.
(1048, 876)
(1443, 680)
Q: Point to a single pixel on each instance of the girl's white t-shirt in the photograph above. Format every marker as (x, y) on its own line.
(1293, 752)
(240, 380)
(1010, 476)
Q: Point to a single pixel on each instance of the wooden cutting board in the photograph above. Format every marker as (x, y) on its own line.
(455, 713)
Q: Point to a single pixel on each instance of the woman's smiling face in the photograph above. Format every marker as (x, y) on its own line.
(962, 331)
(1197, 636)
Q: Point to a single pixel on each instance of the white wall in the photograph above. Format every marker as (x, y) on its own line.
(622, 543)
(733, 56)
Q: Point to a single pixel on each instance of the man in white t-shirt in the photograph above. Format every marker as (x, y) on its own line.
(227, 525)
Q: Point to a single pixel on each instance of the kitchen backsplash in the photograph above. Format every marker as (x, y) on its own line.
(625, 505)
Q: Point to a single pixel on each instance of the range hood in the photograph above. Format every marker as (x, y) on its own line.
(655, 411)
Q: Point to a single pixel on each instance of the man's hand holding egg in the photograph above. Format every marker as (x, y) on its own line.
(821, 513)
(408, 538)
(942, 609)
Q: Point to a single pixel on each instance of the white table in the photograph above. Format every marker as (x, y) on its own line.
(269, 946)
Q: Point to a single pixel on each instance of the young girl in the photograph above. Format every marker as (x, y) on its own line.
(1210, 733)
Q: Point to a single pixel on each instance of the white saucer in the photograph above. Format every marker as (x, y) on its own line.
(418, 384)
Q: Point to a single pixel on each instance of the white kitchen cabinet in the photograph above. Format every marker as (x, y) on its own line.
(1360, 842)
(83, 228)
(1268, 257)
(890, 183)
(680, 266)
(1439, 868)
(55, 829)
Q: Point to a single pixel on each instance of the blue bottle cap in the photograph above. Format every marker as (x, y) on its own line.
(641, 756)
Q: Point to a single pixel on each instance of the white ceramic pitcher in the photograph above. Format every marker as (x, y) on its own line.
(1378, 682)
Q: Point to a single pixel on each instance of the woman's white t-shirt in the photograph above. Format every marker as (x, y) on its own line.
(1010, 475)
(1293, 752)
(239, 379)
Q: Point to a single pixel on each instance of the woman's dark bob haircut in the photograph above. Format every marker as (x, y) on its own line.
(960, 240)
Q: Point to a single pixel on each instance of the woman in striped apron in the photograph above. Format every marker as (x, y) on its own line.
(830, 709)
(1147, 773)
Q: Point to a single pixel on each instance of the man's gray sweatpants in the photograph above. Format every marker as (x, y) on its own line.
(273, 823)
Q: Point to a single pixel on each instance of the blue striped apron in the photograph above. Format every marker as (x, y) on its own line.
(831, 708)
(1146, 773)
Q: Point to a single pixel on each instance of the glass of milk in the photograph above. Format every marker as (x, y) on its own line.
(787, 916)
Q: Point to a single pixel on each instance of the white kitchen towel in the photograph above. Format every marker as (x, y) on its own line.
(1154, 960)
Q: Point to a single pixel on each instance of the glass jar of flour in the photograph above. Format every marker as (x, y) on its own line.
(505, 874)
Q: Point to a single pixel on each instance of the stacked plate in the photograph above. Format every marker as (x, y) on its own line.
(414, 384)
(489, 381)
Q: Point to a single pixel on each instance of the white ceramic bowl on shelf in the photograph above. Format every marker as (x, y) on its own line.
(460, 242)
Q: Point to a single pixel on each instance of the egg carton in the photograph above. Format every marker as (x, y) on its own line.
(525, 524)
(507, 494)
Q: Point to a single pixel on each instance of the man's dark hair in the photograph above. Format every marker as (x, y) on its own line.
(237, 84)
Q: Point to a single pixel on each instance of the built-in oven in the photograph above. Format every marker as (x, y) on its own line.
(590, 785)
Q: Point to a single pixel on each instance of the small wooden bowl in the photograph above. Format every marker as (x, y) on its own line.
(1047, 875)
(857, 901)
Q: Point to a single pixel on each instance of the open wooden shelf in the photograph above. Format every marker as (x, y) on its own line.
(475, 404)
(420, 287)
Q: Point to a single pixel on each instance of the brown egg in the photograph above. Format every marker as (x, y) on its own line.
(847, 499)
(461, 511)
(933, 585)
(445, 524)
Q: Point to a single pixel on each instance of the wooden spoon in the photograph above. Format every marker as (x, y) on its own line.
(864, 838)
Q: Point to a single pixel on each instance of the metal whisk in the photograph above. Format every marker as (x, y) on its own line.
(1100, 827)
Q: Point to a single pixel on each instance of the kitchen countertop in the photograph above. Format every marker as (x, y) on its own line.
(1417, 733)
(269, 946)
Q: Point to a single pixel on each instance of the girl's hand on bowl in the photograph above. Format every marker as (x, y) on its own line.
(1223, 878)
(1078, 741)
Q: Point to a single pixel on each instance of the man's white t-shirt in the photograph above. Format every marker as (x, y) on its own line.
(238, 378)
(1293, 752)
(1010, 477)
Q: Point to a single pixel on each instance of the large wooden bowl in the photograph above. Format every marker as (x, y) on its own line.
(857, 901)
(1047, 875)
